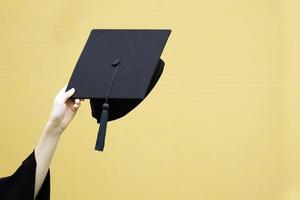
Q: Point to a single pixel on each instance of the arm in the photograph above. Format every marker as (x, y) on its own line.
(63, 111)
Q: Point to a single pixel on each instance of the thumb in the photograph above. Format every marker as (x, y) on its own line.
(68, 94)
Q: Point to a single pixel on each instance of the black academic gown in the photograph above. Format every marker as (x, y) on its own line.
(20, 185)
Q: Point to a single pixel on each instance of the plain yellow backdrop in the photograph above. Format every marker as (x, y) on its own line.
(222, 123)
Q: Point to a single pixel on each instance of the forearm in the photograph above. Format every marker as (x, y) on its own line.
(44, 152)
(63, 111)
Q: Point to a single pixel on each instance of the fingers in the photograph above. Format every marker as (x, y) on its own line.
(77, 104)
(68, 94)
(64, 95)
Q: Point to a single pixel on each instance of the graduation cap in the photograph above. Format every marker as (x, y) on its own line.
(116, 70)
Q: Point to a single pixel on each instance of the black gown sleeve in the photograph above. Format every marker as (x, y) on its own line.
(20, 185)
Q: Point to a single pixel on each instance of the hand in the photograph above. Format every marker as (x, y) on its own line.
(64, 109)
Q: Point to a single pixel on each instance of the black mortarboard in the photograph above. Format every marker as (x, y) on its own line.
(116, 70)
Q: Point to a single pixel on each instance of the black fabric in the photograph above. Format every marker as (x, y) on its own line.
(120, 107)
(20, 185)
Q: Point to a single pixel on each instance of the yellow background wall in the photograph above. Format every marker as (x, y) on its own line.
(228, 101)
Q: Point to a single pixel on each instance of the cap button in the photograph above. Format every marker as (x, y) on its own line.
(115, 62)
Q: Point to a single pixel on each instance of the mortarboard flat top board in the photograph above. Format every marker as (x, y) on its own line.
(116, 70)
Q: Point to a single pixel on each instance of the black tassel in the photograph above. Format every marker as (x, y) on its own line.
(102, 129)
(104, 115)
